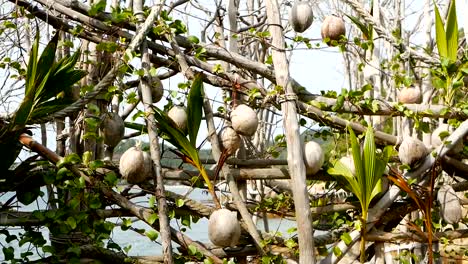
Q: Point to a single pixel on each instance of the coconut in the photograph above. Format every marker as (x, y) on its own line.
(244, 120)
(437, 141)
(333, 28)
(178, 114)
(348, 161)
(112, 129)
(224, 228)
(229, 139)
(450, 207)
(412, 151)
(313, 157)
(409, 95)
(135, 165)
(156, 89)
(301, 16)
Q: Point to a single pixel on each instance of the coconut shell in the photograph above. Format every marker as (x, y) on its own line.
(313, 157)
(412, 151)
(112, 129)
(410, 95)
(244, 120)
(450, 207)
(224, 228)
(229, 139)
(135, 165)
(157, 90)
(301, 16)
(333, 28)
(178, 114)
(437, 141)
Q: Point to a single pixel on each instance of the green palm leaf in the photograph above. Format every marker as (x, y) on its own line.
(194, 109)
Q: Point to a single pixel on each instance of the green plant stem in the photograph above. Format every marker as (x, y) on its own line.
(363, 236)
(210, 186)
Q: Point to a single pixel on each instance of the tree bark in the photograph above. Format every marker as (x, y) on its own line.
(145, 91)
(294, 146)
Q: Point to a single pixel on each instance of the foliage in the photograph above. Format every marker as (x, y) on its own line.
(366, 183)
(48, 85)
(447, 38)
(187, 149)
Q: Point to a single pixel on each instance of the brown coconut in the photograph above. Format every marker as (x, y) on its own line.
(301, 16)
(229, 139)
(333, 29)
(410, 95)
(436, 141)
(313, 157)
(450, 207)
(178, 114)
(244, 120)
(136, 165)
(112, 129)
(224, 228)
(412, 151)
(157, 90)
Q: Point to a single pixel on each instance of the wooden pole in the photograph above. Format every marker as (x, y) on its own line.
(145, 89)
(290, 123)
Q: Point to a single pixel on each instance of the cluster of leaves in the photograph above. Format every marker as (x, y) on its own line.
(366, 182)
(48, 86)
(280, 204)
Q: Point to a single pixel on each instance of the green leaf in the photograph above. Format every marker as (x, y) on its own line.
(152, 235)
(175, 135)
(441, 38)
(452, 32)
(9, 253)
(370, 180)
(180, 202)
(71, 222)
(346, 238)
(152, 218)
(194, 108)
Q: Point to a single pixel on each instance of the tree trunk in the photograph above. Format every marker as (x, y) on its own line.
(294, 145)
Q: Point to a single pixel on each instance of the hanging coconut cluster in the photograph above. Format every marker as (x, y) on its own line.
(229, 140)
(112, 130)
(313, 157)
(301, 16)
(437, 141)
(224, 228)
(450, 207)
(333, 29)
(244, 120)
(409, 95)
(178, 114)
(412, 151)
(136, 165)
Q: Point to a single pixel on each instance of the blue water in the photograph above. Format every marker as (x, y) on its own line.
(141, 245)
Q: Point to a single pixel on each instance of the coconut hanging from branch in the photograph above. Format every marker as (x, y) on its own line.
(112, 130)
(136, 165)
(224, 228)
(178, 114)
(333, 30)
(301, 16)
(313, 157)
